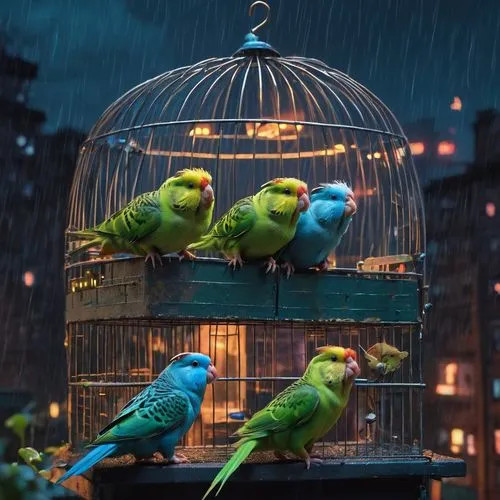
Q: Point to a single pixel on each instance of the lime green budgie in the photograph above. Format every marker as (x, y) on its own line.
(158, 222)
(258, 226)
(300, 415)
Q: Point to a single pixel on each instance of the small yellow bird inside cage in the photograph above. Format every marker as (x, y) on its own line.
(383, 358)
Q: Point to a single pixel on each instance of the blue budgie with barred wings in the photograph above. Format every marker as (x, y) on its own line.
(155, 420)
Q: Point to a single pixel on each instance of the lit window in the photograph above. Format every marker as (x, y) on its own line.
(340, 148)
(456, 105)
(471, 445)
(490, 209)
(29, 278)
(417, 148)
(455, 379)
(497, 441)
(496, 388)
(54, 410)
(446, 148)
(457, 440)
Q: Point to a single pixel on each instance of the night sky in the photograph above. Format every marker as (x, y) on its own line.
(414, 54)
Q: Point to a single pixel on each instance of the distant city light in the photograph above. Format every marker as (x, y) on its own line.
(29, 278)
(29, 150)
(456, 105)
(377, 155)
(496, 287)
(457, 440)
(446, 390)
(21, 141)
(369, 156)
(497, 441)
(450, 373)
(490, 209)
(471, 445)
(446, 148)
(54, 410)
(417, 148)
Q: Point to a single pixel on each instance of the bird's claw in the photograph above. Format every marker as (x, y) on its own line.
(280, 456)
(270, 265)
(153, 256)
(179, 458)
(289, 269)
(312, 460)
(186, 255)
(324, 266)
(235, 261)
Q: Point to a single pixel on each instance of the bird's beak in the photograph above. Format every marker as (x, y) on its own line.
(211, 374)
(350, 206)
(351, 368)
(207, 196)
(303, 202)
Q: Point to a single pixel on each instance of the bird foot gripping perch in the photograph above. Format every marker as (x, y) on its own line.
(154, 256)
(270, 265)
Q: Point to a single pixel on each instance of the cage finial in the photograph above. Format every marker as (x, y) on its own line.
(252, 45)
(252, 8)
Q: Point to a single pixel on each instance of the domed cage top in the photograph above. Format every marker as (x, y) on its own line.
(247, 119)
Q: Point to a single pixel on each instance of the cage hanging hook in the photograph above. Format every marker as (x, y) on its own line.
(252, 8)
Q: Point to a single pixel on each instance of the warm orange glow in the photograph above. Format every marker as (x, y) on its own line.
(446, 390)
(471, 445)
(54, 410)
(446, 148)
(377, 155)
(450, 373)
(29, 278)
(456, 105)
(369, 156)
(496, 287)
(200, 130)
(497, 441)
(340, 148)
(353, 146)
(417, 148)
(457, 440)
(490, 209)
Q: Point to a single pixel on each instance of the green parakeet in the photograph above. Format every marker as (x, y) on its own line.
(300, 415)
(258, 226)
(383, 358)
(159, 222)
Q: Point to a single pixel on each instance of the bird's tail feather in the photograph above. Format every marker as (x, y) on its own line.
(234, 462)
(86, 234)
(82, 248)
(203, 244)
(96, 455)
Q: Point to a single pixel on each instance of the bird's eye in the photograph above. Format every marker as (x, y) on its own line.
(190, 185)
(195, 363)
(334, 197)
(287, 191)
(334, 358)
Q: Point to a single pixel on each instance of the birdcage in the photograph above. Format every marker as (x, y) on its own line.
(248, 118)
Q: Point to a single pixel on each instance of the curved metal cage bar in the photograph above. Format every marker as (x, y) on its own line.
(247, 120)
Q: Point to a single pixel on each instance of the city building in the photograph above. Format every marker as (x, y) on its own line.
(463, 336)
(35, 177)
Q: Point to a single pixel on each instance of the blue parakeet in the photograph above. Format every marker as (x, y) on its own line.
(320, 229)
(155, 420)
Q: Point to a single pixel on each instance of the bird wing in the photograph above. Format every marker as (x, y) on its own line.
(237, 221)
(291, 408)
(138, 219)
(148, 414)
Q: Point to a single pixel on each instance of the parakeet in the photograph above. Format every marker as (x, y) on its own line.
(154, 420)
(158, 222)
(258, 226)
(320, 229)
(300, 415)
(383, 358)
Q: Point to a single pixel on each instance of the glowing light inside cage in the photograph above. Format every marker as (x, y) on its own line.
(29, 278)
(340, 148)
(457, 440)
(377, 155)
(417, 148)
(490, 209)
(54, 410)
(471, 445)
(446, 148)
(203, 130)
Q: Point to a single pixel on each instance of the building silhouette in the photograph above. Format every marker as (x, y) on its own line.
(462, 411)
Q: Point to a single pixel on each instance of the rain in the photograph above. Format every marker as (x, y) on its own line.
(433, 63)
